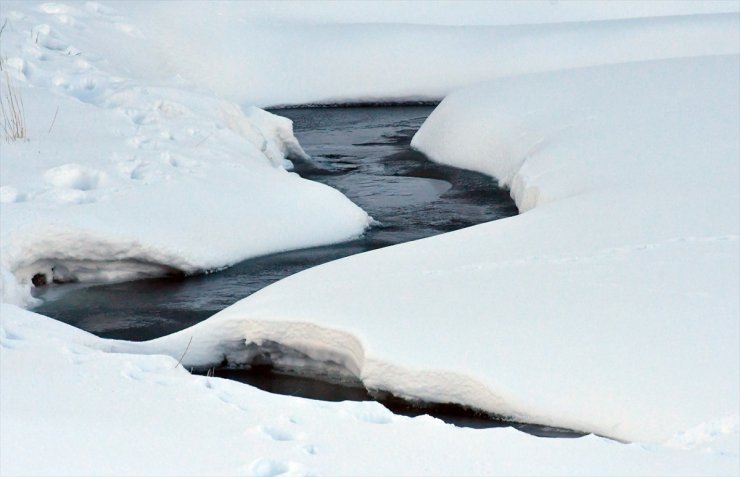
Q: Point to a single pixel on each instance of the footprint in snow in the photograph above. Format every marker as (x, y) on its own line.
(309, 449)
(278, 434)
(272, 468)
(9, 194)
(157, 371)
(227, 398)
(9, 340)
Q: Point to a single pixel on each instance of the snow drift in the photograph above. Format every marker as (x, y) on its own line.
(103, 413)
(123, 176)
(610, 306)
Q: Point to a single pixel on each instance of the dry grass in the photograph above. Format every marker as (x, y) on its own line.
(11, 103)
(12, 111)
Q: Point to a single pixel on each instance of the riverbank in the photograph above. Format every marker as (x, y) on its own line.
(577, 304)
(362, 152)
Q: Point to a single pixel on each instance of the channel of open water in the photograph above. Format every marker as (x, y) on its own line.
(365, 153)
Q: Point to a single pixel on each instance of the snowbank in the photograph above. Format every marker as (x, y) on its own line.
(127, 172)
(369, 53)
(610, 306)
(102, 413)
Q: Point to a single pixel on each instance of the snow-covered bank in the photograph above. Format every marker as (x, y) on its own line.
(328, 57)
(101, 413)
(127, 172)
(610, 306)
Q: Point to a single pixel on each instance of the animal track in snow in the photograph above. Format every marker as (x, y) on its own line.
(309, 449)
(9, 340)
(272, 468)
(9, 194)
(278, 434)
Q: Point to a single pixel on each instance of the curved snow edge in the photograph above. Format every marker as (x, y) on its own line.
(65, 254)
(234, 341)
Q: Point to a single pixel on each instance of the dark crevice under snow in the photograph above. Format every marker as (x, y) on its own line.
(278, 369)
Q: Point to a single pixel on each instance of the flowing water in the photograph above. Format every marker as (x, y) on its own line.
(363, 152)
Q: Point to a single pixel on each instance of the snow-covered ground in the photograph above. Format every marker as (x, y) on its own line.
(70, 407)
(608, 306)
(127, 172)
(354, 52)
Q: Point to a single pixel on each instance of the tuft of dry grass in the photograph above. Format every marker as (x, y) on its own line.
(12, 111)
(11, 103)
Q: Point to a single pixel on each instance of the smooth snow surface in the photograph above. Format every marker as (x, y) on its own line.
(335, 53)
(122, 178)
(609, 306)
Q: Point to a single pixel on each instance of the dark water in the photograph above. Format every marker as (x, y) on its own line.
(364, 152)
(267, 379)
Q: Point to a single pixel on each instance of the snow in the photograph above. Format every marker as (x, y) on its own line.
(122, 178)
(103, 413)
(329, 55)
(609, 305)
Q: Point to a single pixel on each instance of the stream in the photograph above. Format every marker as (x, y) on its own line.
(365, 153)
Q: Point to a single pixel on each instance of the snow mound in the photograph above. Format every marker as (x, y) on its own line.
(74, 176)
(129, 171)
(609, 306)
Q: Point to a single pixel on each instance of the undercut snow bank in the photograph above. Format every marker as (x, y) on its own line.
(103, 413)
(609, 306)
(128, 171)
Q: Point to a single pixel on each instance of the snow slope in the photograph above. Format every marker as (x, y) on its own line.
(127, 174)
(102, 413)
(274, 55)
(608, 306)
